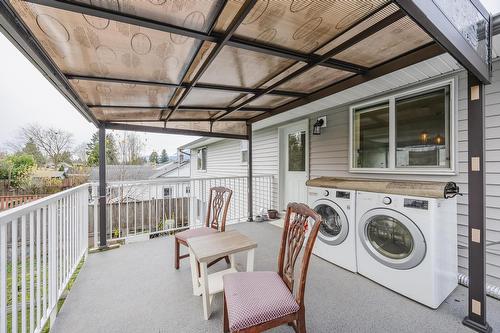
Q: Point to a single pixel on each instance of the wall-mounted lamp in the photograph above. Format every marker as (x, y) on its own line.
(320, 122)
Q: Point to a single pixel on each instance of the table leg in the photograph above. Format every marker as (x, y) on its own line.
(232, 260)
(250, 260)
(194, 273)
(205, 294)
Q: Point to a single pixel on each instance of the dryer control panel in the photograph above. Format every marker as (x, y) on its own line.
(343, 195)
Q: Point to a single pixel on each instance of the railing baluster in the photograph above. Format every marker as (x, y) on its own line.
(38, 270)
(13, 264)
(45, 216)
(32, 272)
(3, 278)
(23, 274)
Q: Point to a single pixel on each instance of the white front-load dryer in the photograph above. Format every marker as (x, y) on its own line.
(408, 244)
(336, 240)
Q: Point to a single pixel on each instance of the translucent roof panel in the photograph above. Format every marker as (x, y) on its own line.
(243, 114)
(303, 25)
(270, 101)
(192, 14)
(243, 68)
(314, 79)
(83, 45)
(402, 36)
(110, 93)
(128, 114)
(193, 114)
(210, 97)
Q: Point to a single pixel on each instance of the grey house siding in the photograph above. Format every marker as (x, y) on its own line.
(329, 156)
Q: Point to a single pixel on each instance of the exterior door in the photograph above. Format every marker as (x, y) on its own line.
(294, 162)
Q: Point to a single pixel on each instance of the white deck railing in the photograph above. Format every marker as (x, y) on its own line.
(145, 208)
(41, 243)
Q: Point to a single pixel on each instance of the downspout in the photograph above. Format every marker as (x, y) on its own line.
(491, 290)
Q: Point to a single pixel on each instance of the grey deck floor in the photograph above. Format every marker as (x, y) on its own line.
(136, 289)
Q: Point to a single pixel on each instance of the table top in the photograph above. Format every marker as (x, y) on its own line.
(210, 247)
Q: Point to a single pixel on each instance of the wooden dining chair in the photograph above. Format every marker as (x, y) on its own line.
(215, 221)
(258, 301)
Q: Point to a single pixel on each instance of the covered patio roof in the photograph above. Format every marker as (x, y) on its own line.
(210, 68)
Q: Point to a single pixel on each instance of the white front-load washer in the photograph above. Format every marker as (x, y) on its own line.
(408, 244)
(336, 240)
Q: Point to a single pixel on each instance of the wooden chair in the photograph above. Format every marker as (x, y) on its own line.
(258, 301)
(215, 221)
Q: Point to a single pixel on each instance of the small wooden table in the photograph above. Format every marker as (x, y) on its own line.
(205, 249)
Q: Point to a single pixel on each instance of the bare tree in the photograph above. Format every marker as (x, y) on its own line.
(130, 148)
(54, 143)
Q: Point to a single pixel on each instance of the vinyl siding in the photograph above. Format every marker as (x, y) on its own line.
(329, 156)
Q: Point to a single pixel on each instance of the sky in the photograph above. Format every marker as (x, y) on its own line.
(26, 97)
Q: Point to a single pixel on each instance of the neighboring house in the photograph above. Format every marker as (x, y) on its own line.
(410, 124)
(41, 174)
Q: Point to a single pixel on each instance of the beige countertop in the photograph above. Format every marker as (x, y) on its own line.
(413, 188)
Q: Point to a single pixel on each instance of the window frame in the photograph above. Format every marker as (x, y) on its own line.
(198, 158)
(391, 100)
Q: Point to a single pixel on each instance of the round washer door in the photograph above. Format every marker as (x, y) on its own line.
(335, 227)
(392, 238)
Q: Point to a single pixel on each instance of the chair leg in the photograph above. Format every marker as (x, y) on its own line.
(177, 250)
(226, 320)
(301, 321)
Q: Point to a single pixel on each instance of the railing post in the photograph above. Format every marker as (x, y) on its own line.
(476, 318)
(250, 174)
(102, 187)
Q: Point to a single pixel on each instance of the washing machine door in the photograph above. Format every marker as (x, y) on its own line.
(335, 227)
(392, 238)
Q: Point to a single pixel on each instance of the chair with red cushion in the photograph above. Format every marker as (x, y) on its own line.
(215, 221)
(257, 301)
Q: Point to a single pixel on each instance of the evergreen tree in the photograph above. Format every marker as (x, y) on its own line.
(164, 156)
(93, 150)
(153, 158)
(30, 148)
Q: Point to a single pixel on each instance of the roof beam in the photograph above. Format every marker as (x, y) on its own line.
(164, 130)
(413, 57)
(184, 108)
(345, 45)
(439, 26)
(235, 23)
(183, 85)
(105, 13)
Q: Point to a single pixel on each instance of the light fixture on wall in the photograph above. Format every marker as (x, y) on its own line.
(320, 122)
(424, 137)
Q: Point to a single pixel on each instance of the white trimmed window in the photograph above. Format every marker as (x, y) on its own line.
(202, 159)
(410, 132)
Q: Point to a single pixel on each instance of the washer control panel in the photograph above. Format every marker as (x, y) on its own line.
(387, 200)
(343, 195)
(418, 204)
(326, 193)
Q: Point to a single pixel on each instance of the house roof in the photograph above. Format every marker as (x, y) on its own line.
(48, 173)
(124, 172)
(169, 167)
(210, 68)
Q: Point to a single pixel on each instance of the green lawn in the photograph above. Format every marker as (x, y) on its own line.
(46, 328)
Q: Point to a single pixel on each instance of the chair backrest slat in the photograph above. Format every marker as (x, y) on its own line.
(218, 205)
(292, 241)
